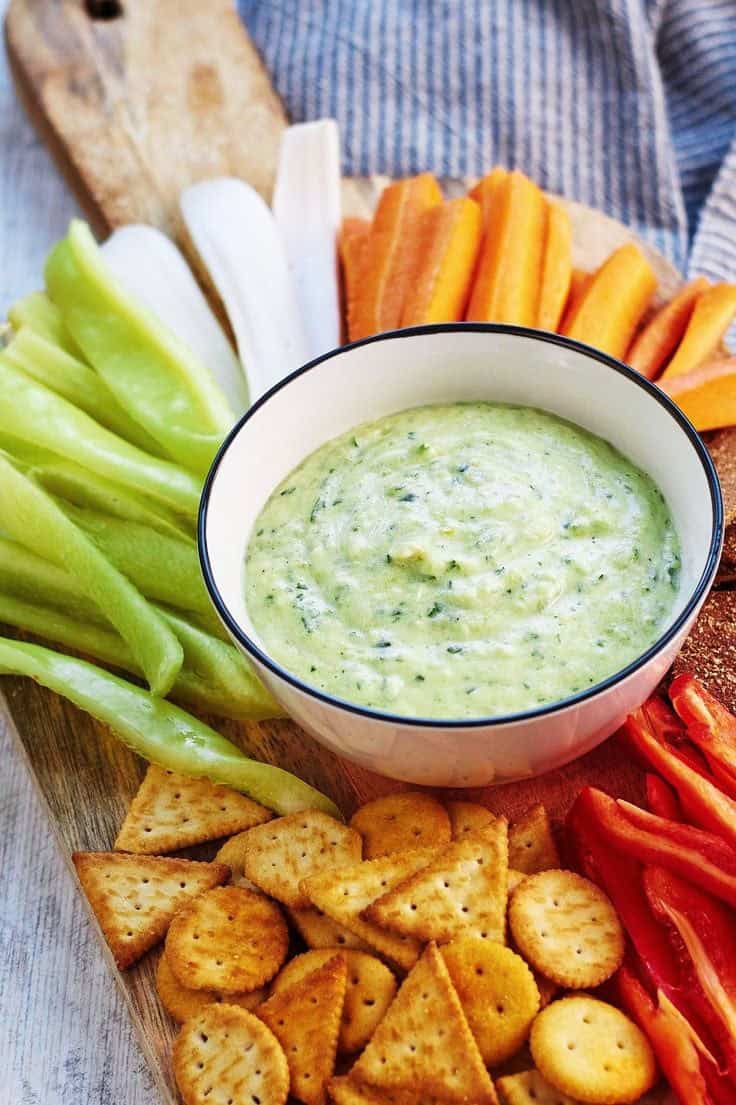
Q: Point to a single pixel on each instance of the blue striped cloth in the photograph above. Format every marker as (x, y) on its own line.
(626, 105)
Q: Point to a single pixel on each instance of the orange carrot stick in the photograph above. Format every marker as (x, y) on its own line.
(707, 395)
(351, 246)
(712, 315)
(506, 286)
(579, 284)
(389, 257)
(662, 334)
(448, 240)
(486, 191)
(556, 268)
(614, 301)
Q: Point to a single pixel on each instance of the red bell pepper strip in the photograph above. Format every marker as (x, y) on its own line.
(681, 1054)
(704, 932)
(709, 725)
(702, 801)
(703, 858)
(661, 798)
(620, 877)
(665, 721)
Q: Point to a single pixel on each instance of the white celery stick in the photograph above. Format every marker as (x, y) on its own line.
(307, 209)
(150, 266)
(236, 236)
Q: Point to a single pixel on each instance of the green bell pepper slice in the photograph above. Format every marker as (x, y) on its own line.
(34, 414)
(76, 382)
(38, 313)
(32, 518)
(153, 375)
(29, 577)
(162, 567)
(214, 678)
(66, 480)
(162, 733)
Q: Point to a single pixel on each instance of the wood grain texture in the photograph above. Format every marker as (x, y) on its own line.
(136, 108)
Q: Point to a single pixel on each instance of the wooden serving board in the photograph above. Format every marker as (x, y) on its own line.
(135, 104)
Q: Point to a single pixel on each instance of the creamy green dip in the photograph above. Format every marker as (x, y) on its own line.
(460, 561)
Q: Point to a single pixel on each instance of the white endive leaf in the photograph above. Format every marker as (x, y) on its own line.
(236, 237)
(307, 209)
(150, 266)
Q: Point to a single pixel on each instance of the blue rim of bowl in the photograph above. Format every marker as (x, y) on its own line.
(502, 719)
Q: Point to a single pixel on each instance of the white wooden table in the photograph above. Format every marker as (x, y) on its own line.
(65, 1038)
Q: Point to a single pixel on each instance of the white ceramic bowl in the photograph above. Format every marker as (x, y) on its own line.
(440, 364)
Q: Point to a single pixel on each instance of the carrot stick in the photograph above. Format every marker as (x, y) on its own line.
(662, 334)
(614, 301)
(711, 317)
(506, 286)
(486, 191)
(389, 254)
(579, 284)
(707, 395)
(351, 246)
(556, 268)
(448, 240)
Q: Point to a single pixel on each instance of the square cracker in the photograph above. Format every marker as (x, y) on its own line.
(344, 894)
(532, 847)
(424, 1043)
(279, 854)
(464, 889)
(172, 811)
(135, 898)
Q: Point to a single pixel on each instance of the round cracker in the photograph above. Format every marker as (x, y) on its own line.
(230, 940)
(181, 1003)
(592, 1051)
(566, 927)
(225, 1054)
(498, 994)
(399, 822)
(370, 990)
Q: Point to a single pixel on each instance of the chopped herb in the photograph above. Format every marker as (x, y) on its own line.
(411, 435)
(408, 498)
(354, 442)
(301, 587)
(389, 558)
(318, 505)
(463, 467)
(436, 609)
(454, 649)
(288, 491)
(336, 502)
(418, 678)
(500, 570)
(383, 644)
(260, 533)
(312, 668)
(453, 566)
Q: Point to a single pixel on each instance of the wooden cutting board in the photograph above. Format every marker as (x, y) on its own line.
(138, 99)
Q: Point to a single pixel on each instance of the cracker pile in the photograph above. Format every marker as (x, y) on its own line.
(437, 938)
